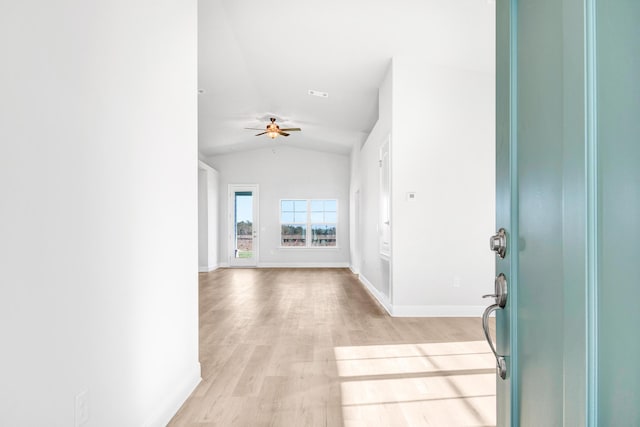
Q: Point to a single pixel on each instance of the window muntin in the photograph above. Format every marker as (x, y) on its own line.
(317, 216)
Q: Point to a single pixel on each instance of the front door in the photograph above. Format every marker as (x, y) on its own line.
(568, 198)
(243, 225)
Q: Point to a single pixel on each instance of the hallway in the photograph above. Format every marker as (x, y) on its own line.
(310, 347)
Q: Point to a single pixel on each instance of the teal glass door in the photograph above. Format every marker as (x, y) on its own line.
(568, 194)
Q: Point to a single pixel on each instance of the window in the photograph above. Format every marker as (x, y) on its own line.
(298, 217)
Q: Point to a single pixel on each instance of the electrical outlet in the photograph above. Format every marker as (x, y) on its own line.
(82, 409)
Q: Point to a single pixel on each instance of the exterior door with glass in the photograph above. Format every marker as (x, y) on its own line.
(243, 225)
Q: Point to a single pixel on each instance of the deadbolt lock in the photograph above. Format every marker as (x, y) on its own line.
(498, 243)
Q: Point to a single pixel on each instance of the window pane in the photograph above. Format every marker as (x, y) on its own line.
(323, 235)
(317, 205)
(317, 217)
(300, 217)
(286, 205)
(331, 205)
(293, 235)
(300, 205)
(286, 217)
(330, 217)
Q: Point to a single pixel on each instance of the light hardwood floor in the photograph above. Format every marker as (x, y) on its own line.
(310, 347)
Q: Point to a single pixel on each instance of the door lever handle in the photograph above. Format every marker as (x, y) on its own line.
(500, 296)
(501, 363)
(500, 291)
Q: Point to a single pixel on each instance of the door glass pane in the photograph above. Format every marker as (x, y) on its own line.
(244, 224)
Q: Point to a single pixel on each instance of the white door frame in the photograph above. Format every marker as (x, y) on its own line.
(243, 262)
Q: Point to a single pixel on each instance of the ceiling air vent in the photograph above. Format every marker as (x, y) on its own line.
(318, 93)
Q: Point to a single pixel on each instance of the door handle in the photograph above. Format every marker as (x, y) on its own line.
(500, 296)
(501, 363)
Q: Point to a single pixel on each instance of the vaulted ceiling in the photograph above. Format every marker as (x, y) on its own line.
(259, 59)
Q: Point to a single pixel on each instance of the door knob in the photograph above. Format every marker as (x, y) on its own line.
(498, 243)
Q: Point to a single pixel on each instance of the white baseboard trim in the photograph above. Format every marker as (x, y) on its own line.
(354, 270)
(379, 296)
(395, 310)
(207, 269)
(303, 265)
(438, 310)
(170, 406)
(223, 265)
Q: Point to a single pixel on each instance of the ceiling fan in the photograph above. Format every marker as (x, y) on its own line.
(273, 130)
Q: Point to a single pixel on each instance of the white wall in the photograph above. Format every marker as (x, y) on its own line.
(203, 222)
(98, 210)
(373, 270)
(444, 150)
(441, 122)
(208, 200)
(281, 173)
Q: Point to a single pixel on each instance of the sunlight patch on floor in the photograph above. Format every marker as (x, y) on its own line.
(430, 384)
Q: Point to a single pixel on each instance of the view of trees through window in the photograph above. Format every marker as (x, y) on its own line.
(244, 224)
(244, 239)
(318, 216)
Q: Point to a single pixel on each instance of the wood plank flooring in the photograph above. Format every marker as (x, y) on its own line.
(310, 347)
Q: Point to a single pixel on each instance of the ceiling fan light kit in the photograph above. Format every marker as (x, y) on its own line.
(273, 130)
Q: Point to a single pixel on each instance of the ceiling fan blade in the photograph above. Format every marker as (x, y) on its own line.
(283, 133)
(261, 133)
(255, 128)
(292, 129)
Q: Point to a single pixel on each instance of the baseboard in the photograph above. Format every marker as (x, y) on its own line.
(303, 265)
(395, 310)
(207, 269)
(379, 296)
(223, 265)
(354, 270)
(438, 310)
(172, 404)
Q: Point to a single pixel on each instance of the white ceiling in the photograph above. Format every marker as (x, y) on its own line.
(259, 59)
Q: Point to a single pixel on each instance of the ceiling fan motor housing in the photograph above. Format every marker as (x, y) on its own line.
(273, 130)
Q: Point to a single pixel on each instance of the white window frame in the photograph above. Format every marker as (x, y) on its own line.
(308, 224)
